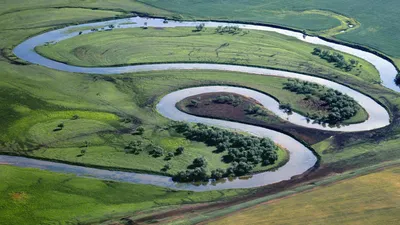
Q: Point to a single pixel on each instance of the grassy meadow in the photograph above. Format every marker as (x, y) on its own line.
(35, 100)
(32, 196)
(109, 109)
(379, 27)
(368, 199)
(256, 48)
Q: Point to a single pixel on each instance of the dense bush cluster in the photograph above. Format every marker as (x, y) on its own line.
(243, 152)
(155, 151)
(286, 107)
(228, 30)
(199, 27)
(136, 147)
(302, 87)
(191, 175)
(256, 110)
(336, 58)
(197, 172)
(227, 99)
(340, 106)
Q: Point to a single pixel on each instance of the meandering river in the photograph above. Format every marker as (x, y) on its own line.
(301, 158)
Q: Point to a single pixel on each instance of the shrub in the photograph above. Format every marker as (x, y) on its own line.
(217, 174)
(140, 130)
(169, 156)
(199, 27)
(336, 58)
(227, 99)
(239, 169)
(134, 147)
(155, 151)
(256, 110)
(197, 174)
(166, 167)
(179, 150)
(286, 107)
(199, 162)
(228, 30)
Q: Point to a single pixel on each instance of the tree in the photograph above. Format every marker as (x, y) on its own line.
(199, 162)
(239, 169)
(166, 167)
(156, 151)
(169, 156)
(180, 150)
(197, 174)
(317, 51)
(134, 147)
(287, 108)
(200, 27)
(217, 174)
(83, 151)
(140, 130)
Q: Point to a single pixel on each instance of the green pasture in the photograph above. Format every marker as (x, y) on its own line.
(35, 100)
(256, 48)
(379, 28)
(32, 196)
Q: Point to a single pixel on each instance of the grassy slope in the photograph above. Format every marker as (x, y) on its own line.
(35, 125)
(64, 96)
(31, 196)
(84, 92)
(258, 48)
(378, 20)
(43, 86)
(10, 6)
(374, 199)
(60, 91)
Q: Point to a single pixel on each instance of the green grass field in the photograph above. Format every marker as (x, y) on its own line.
(378, 19)
(136, 98)
(257, 48)
(36, 99)
(32, 196)
(369, 199)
